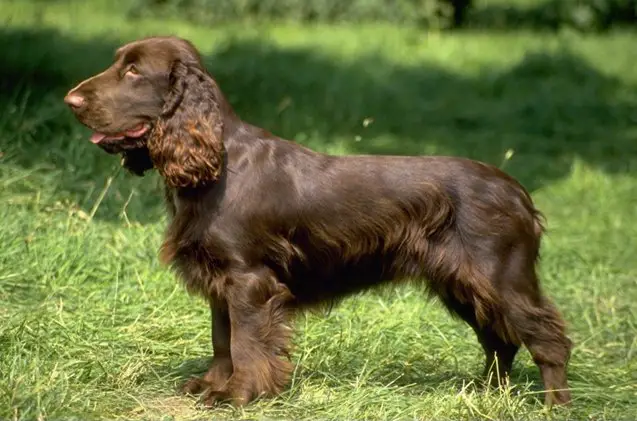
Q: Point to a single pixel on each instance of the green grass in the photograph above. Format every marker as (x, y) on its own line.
(92, 327)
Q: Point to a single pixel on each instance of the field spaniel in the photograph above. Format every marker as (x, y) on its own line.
(262, 227)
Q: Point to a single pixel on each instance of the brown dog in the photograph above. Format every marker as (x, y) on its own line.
(262, 226)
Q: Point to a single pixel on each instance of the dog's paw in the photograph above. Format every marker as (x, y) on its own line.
(212, 397)
(194, 386)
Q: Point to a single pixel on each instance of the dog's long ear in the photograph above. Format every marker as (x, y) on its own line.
(186, 144)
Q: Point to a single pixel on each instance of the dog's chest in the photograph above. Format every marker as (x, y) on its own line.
(198, 265)
(197, 256)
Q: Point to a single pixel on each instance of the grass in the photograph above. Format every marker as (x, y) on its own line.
(92, 327)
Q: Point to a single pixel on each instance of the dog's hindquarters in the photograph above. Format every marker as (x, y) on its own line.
(483, 268)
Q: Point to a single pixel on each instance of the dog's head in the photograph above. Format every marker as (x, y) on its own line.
(139, 105)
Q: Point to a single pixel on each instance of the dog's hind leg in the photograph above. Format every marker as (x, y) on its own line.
(499, 351)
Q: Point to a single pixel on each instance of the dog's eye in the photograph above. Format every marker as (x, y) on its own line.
(132, 70)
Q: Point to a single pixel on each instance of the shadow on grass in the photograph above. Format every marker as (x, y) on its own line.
(548, 109)
(388, 374)
(421, 377)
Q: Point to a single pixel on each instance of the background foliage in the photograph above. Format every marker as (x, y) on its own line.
(91, 325)
(584, 15)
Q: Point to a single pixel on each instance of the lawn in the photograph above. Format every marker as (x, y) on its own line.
(92, 327)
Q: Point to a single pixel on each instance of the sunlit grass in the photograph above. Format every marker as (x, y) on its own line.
(91, 326)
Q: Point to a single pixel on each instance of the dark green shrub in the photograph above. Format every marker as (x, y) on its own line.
(585, 15)
(429, 13)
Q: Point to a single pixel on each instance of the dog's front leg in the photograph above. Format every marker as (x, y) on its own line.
(259, 338)
(221, 367)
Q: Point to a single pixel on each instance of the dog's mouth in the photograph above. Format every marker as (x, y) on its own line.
(136, 132)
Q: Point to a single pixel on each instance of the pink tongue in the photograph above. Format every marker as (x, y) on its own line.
(136, 132)
(97, 137)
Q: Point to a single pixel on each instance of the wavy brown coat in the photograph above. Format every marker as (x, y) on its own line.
(261, 226)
